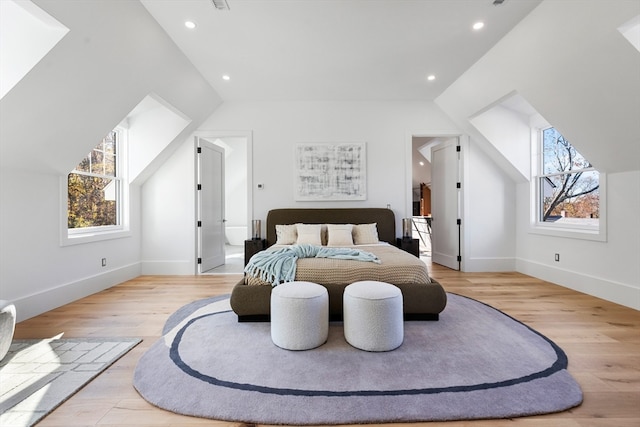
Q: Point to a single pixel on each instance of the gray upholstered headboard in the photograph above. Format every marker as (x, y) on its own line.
(383, 217)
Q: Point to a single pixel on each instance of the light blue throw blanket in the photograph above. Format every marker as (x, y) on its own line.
(279, 266)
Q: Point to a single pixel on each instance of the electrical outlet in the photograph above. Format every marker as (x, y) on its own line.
(104, 262)
(557, 257)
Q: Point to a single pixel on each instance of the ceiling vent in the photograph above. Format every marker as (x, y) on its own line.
(220, 4)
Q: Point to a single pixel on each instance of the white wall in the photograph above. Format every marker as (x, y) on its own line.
(509, 132)
(94, 76)
(560, 59)
(36, 273)
(153, 125)
(168, 215)
(386, 128)
(52, 118)
(490, 218)
(278, 126)
(608, 270)
(26, 35)
(169, 206)
(169, 244)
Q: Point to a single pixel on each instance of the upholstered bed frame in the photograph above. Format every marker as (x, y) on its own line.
(384, 218)
(422, 301)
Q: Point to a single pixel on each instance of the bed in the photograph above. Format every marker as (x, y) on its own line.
(424, 298)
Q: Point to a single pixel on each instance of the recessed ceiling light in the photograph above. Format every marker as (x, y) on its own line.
(421, 163)
(478, 25)
(190, 24)
(226, 77)
(431, 77)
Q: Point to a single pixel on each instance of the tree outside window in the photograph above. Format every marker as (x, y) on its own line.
(569, 185)
(94, 188)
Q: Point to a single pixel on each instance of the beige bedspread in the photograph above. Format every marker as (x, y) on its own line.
(397, 267)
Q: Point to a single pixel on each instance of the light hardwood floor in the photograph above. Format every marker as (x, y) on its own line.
(601, 339)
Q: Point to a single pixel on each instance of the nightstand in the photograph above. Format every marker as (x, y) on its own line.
(252, 247)
(409, 245)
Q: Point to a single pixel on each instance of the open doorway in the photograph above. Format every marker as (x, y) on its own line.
(421, 191)
(436, 198)
(237, 201)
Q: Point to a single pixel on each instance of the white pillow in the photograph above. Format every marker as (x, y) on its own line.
(286, 234)
(365, 234)
(339, 235)
(308, 233)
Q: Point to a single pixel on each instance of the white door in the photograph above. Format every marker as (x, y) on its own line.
(211, 235)
(445, 204)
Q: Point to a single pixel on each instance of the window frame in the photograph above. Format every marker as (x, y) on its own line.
(536, 224)
(72, 236)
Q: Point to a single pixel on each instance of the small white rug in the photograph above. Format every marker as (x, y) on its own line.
(36, 376)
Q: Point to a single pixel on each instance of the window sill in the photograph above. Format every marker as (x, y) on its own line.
(96, 236)
(599, 235)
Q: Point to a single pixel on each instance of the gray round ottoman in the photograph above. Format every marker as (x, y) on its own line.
(373, 319)
(7, 326)
(299, 315)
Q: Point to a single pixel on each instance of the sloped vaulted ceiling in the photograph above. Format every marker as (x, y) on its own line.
(342, 50)
(114, 55)
(568, 61)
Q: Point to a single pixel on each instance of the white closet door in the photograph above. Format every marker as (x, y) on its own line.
(211, 205)
(445, 202)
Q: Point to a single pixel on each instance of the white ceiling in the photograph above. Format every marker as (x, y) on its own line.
(335, 50)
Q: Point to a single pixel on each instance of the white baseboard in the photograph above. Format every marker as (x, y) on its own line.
(478, 265)
(168, 268)
(616, 292)
(35, 304)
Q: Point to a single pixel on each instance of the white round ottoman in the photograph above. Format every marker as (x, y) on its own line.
(299, 315)
(372, 313)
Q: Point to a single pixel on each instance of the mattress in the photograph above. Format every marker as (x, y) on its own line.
(396, 267)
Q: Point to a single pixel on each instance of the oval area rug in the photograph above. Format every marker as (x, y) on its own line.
(475, 362)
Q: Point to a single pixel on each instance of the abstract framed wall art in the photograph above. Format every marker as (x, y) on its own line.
(330, 171)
